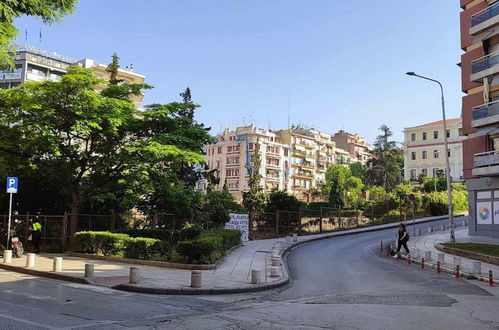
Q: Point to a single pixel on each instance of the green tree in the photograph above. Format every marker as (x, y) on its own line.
(385, 167)
(112, 69)
(92, 145)
(400, 196)
(218, 204)
(48, 10)
(358, 170)
(336, 177)
(253, 199)
(355, 192)
(189, 107)
(280, 200)
(435, 184)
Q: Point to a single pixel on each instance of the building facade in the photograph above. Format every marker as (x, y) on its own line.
(36, 64)
(292, 160)
(424, 150)
(354, 144)
(480, 112)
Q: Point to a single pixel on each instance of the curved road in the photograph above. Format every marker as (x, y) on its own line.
(338, 283)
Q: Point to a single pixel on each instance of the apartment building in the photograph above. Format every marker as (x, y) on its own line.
(293, 160)
(424, 150)
(36, 64)
(356, 145)
(480, 112)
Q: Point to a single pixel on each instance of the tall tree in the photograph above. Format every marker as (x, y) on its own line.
(48, 10)
(358, 170)
(336, 177)
(384, 169)
(189, 107)
(254, 200)
(112, 69)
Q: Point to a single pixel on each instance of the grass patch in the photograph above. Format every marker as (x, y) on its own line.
(487, 249)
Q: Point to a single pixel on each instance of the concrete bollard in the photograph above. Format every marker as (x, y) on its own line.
(442, 227)
(457, 261)
(57, 265)
(477, 267)
(276, 261)
(288, 239)
(30, 261)
(295, 238)
(463, 224)
(441, 258)
(255, 276)
(274, 271)
(7, 256)
(430, 229)
(196, 279)
(418, 232)
(134, 275)
(89, 270)
(427, 255)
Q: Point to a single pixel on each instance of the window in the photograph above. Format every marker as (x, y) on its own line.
(219, 150)
(424, 135)
(285, 152)
(413, 175)
(413, 155)
(436, 172)
(435, 134)
(424, 171)
(435, 154)
(413, 137)
(447, 133)
(448, 152)
(424, 155)
(250, 146)
(218, 164)
(232, 160)
(232, 172)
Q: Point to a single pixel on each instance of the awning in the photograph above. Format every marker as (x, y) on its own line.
(487, 131)
(485, 35)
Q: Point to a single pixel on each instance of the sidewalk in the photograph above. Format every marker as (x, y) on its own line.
(233, 275)
(419, 245)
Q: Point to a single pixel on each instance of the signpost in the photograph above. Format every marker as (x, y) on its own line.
(412, 198)
(239, 222)
(11, 189)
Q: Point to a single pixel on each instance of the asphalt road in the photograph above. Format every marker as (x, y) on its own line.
(339, 283)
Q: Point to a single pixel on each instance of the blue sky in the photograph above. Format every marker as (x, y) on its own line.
(334, 64)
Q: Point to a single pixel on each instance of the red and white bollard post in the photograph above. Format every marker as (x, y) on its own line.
(398, 256)
(438, 267)
(457, 272)
(408, 259)
(491, 280)
(422, 263)
(381, 247)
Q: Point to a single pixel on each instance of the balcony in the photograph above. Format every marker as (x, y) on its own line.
(486, 163)
(485, 115)
(10, 75)
(485, 19)
(484, 66)
(300, 153)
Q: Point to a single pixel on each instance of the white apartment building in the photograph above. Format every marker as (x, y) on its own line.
(293, 160)
(424, 149)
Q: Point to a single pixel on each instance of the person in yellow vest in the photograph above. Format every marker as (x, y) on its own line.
(36, 234)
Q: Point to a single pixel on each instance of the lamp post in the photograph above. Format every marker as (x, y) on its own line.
(447, 163)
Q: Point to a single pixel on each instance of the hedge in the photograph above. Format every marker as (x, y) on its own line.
(436, 203)
(146, 248)
(189, 232)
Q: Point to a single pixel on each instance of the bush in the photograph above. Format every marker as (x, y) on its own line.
(230, 238)
(146, 248)
(436, 203)
(102, 242)
(189, 232)
(161, 234)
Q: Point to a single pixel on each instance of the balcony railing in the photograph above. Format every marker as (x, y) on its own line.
(484, 62)
(486, 110)
(485, 14)
(484, 159)
(10, 75)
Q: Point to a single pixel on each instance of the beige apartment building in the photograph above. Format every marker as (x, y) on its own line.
(355, 144)
(424, 150)
(293, 160)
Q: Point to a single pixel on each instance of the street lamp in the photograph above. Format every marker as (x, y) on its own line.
(447, 164)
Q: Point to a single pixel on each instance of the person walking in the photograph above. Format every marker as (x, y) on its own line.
(403, 237)
(36, 234)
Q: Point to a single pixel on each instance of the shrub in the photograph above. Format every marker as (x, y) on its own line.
(102, 242)
(196, 251)
(189, 232)
(436, 203)
(230, 238)
(161, 234)
(146, 248)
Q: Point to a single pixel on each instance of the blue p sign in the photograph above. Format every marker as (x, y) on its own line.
(12, 185)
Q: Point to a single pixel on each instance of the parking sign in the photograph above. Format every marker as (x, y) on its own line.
(12, 185)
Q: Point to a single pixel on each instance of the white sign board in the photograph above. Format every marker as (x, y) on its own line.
(484, 213)
(239, 222)
(496, 213)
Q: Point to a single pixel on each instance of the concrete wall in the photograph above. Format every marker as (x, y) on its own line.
(475, 186)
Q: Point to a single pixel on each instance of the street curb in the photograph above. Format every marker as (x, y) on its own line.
(468, 254)
(40, 273)
(273, 285)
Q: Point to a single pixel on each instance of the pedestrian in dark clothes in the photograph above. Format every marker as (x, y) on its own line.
(403, 237)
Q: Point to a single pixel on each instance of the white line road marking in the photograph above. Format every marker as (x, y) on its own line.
(26, 321)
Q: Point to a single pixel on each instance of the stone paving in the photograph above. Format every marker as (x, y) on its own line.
(426, 243)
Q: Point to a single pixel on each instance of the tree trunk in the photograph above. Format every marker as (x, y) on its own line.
(75, 209)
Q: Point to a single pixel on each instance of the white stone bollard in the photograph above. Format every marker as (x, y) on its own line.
(441, 258)
(30, 261)
(477, 267)
(255, 276)
(276, 261)
(288, 239)
(7, 256)
(418, 232)
(463, 224)
(295, 237)
(457, 261)
(274, 271)
(89, 270)
(442, 227)
(134, 275)
(196, 279)
(430, 229)
(427, 255)
(57, 266)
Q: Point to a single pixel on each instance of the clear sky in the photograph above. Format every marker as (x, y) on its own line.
(334, 64)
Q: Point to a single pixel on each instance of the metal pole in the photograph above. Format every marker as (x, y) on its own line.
(447, 163)
(413, 220)
(10, 218)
